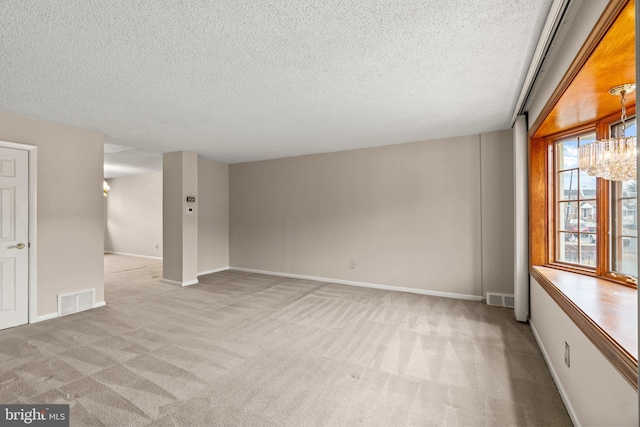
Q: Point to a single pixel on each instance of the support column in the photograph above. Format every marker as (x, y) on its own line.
(180, 218)
(521, 219)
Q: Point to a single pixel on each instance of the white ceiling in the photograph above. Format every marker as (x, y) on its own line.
(238, 81)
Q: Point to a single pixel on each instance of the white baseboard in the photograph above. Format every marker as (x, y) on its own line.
(45, 317)
(364, 284)
(54, 315)
(215, 270)
(135, 255)
(556, 379)
(183, 284)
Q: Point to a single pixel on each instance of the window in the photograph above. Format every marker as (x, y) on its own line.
(576, 204)
(593, 221)
(624, 218)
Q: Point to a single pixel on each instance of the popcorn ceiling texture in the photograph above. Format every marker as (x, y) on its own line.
(239, 81)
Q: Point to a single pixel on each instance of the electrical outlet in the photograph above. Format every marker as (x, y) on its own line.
(352, 264)
(567, 358)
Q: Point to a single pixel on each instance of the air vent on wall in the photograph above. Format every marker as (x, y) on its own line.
(75, 302)
(502, 300)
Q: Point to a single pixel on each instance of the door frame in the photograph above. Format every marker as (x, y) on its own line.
(32, 151)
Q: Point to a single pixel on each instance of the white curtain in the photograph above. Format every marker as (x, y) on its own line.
(521, 223)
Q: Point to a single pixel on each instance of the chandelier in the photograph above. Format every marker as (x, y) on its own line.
(614, 158)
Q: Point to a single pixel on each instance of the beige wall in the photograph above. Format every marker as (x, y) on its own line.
(408, 215)
(594, 392)
(179, 228)
(497, 211)
(213, 216)
(70, 207)
(134, 215)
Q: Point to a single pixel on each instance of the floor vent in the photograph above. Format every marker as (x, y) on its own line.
(502, 300)
(75, 302)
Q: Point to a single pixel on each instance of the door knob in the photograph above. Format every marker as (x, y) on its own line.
(18, 246)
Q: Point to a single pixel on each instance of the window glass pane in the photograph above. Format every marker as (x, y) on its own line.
(568, 216)
(624, 224)
(629, 217)
(570, 237)
(568, 182)
(567, 152)
(587, 186)
(587, 138)
(588, 249)
(631, 128)
(624, 217)
(567, 248)
(629, 189)
(626, 255)
(588, 216)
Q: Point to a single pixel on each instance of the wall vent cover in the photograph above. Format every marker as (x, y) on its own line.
(75, 302)
(501, 300)
(509, 301)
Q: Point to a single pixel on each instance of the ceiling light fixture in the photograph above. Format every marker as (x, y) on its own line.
(614, 158)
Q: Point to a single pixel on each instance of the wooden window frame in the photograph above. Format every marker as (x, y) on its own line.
(606, 262)
(553, 189)
(543, 162)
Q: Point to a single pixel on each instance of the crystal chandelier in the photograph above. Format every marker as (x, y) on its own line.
(614, 158)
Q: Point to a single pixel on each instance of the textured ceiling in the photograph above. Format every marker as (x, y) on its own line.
(238, 81)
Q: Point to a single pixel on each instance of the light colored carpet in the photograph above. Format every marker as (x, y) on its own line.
(247, 349)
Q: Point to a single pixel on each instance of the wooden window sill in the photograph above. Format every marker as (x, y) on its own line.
(605, 312)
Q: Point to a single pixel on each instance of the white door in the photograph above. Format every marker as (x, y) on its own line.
(14, 237)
